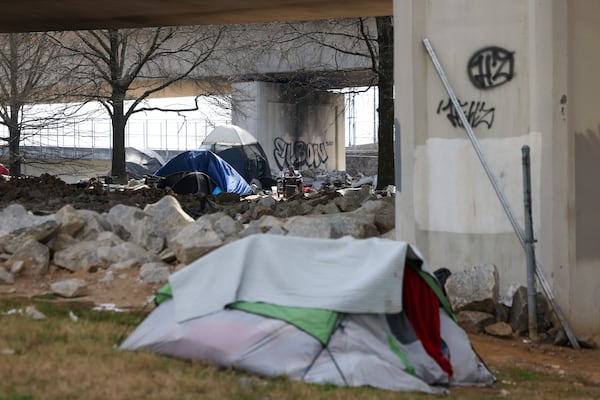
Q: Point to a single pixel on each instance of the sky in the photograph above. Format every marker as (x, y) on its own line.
(185, 130)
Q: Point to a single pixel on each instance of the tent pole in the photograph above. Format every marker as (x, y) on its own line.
(499, 193)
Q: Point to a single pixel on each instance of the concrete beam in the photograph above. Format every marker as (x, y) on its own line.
(52, 15)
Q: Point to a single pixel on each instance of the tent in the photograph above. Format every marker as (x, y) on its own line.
(356, 312)
(141, 162)
(4, 170)
(203, 170)
(242, 151)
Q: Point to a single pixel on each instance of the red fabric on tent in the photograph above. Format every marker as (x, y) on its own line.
(4, 170)
(422, 309)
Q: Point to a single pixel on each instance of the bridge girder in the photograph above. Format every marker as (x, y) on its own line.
(64, 15)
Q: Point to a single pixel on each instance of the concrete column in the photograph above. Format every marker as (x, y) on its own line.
(583, 106)
(300, 127)
(517, 68)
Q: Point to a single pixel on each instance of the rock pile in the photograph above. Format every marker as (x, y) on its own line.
(474, 297)
(162, 237)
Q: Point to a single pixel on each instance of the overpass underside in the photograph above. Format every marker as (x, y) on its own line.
(65, 15)
(315, 80)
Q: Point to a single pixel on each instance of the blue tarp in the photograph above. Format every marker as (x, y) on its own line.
(224, 175)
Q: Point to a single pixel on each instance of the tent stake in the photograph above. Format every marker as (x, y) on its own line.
(519, 232)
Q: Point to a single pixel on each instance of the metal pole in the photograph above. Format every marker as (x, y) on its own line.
(499, 193)
(397, 151)
(529, 250)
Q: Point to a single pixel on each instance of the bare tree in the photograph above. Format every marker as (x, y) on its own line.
(123, 68)
(377, 46)
(30, 74)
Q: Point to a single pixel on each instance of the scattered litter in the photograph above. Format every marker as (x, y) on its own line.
(73, 317)
(526, 341)
(107, 307)
(8, 352)
(33, 313)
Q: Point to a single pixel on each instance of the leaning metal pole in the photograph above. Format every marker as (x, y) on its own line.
(519, 232)
(529, 250)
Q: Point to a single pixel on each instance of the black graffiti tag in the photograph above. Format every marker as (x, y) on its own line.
(491, 67)
(299, 154)
(477, 113)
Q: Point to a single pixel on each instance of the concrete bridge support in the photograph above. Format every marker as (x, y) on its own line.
(526, 72)
(295, 126)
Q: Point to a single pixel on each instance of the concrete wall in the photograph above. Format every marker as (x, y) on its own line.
(517, 67)
(299, 127)
(584, 116)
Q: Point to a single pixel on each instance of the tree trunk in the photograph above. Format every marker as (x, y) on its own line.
(14, 141)
(385, 131)
(118, 170)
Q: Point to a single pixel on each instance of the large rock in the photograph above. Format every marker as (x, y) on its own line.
(226, 227)
(499, 329)
(18, 226)
(34, 257)
(519, 313)
(169, 215)
(61, 241)
(199, 238)
(475, 289)
(474, 321)
(16, 220)
(131, 223)
(6, 277)
(384, 211)
(359, 226)
(69, 288)
(266, 224)
(95, 224)
(310, 227)
(71, 221)
(84, 256)
(328, 208)
(125, 253)
(155, 272)
(356, 197)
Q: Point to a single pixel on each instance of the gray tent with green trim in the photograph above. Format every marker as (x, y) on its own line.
(351, 312)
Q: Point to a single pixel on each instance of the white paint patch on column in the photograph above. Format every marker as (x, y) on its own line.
(453, 193)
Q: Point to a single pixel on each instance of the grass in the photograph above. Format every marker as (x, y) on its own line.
(58, 358)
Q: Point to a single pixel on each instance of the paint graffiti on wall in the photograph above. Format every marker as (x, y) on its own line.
(299, 154)
(491, 67)
(477, 113)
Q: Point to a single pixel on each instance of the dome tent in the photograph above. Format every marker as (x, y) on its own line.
(242, 151)
(362, 312)
(201, 171)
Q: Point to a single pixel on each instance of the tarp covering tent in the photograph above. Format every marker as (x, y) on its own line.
(226, 178)
(141, 162)
(356, 312)
(241, 150)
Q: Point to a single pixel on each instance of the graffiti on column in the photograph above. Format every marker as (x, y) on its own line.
(299, 154)
(491, 67)
(476, 112)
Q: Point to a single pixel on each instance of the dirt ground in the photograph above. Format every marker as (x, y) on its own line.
(46, 195)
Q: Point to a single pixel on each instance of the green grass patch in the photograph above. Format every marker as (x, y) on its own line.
(58, 358)
(525, 376)
(17, 397)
